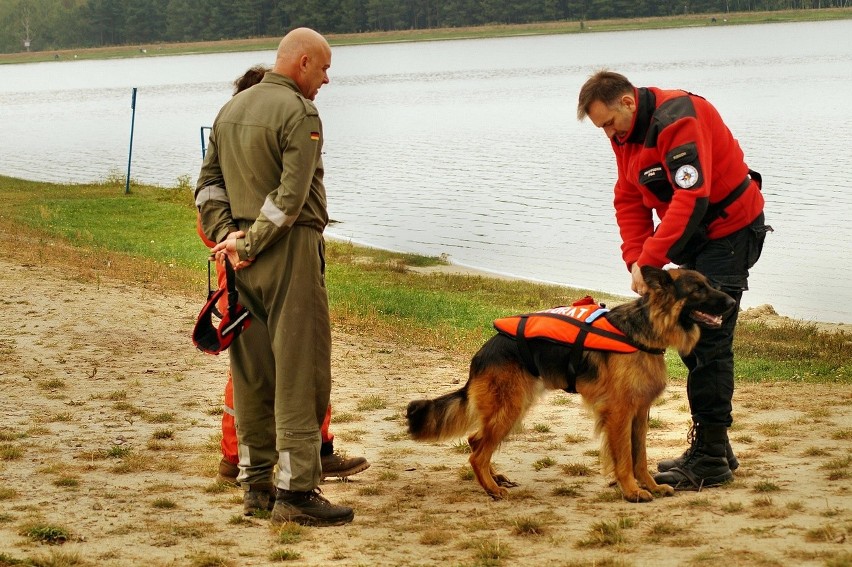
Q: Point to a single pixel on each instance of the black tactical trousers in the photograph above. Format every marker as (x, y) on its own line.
(710, 384)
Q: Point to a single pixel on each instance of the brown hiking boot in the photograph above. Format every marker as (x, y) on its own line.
(309, 508)
(228, 472)
(258, 498)
(340, 466)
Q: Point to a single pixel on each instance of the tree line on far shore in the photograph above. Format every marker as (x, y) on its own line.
(43, 25)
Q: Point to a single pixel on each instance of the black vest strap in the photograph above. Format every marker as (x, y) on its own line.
(524, 348)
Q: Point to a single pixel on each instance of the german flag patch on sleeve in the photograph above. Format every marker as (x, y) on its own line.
(315, 136)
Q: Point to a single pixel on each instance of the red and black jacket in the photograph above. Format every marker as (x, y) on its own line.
(680, 160)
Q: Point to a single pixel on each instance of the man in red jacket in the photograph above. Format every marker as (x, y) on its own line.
(677, 158)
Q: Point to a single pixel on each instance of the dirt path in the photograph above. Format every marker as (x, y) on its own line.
(110, 427)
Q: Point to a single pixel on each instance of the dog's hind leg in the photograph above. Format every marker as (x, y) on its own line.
(501, 396)
(483, 443)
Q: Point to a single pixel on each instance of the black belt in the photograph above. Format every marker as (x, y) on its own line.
(716, 210)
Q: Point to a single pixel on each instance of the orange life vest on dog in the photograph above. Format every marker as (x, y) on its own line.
(582, 326)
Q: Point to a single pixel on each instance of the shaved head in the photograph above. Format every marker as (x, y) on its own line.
(305, 56)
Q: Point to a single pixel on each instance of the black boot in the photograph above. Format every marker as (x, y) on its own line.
(706, 462)
(669, 464)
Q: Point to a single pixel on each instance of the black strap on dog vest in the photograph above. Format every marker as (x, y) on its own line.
(524, 348)
(575, 359)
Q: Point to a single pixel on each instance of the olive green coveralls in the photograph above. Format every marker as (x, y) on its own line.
(262, 174)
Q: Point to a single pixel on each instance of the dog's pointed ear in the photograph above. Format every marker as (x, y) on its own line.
(655, 278)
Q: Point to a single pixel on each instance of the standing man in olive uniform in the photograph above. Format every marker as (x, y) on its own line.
(261, 198)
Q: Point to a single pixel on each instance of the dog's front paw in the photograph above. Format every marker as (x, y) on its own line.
(663, 490)
(639, 495)
(498, 493)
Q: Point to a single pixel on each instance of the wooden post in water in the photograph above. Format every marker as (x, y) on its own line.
(130, 153)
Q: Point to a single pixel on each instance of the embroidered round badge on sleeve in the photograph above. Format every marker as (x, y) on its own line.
(686, 176)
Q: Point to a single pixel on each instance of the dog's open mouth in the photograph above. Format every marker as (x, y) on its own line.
(705, 319)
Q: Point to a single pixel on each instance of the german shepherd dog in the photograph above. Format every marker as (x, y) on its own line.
(618, 387)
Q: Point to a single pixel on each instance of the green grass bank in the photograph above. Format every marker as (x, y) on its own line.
(147, 238)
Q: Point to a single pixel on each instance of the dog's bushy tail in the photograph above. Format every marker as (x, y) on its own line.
(446, 417)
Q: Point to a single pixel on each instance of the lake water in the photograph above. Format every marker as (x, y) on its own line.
(471, 148)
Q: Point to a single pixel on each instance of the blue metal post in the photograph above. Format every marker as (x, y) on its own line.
(130, 153)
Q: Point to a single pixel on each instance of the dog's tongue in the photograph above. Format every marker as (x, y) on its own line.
(709, 320)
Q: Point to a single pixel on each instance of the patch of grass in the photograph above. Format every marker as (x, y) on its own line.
(461, 446)
(766, 486)
(10, 452)
(11, 435)
(9, 561)
(609, 495)
(489, 553)
(347, 417)
(466, 473)
(577, 469)
(370, 403)
(566, 490)
(762, 502)
(7, 493)
(838, 469)
(732, 507)
(165, 417)
(290, 533)
(63, 417)
(52, 384)
(284, 555)
(699, 503)
(544, 463)
(164, 504)
(772, 429)
(827, 533)
(46, 533)
(656, 423)
(162, 434)
(842, 435)
(240, 520)
(118, 451)
(209, 560)
(606, 534)
(816, 452)
(370, 490)
(664, 529)
(67, 482)
(435, 536)
(526, 526)
(541, 428)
